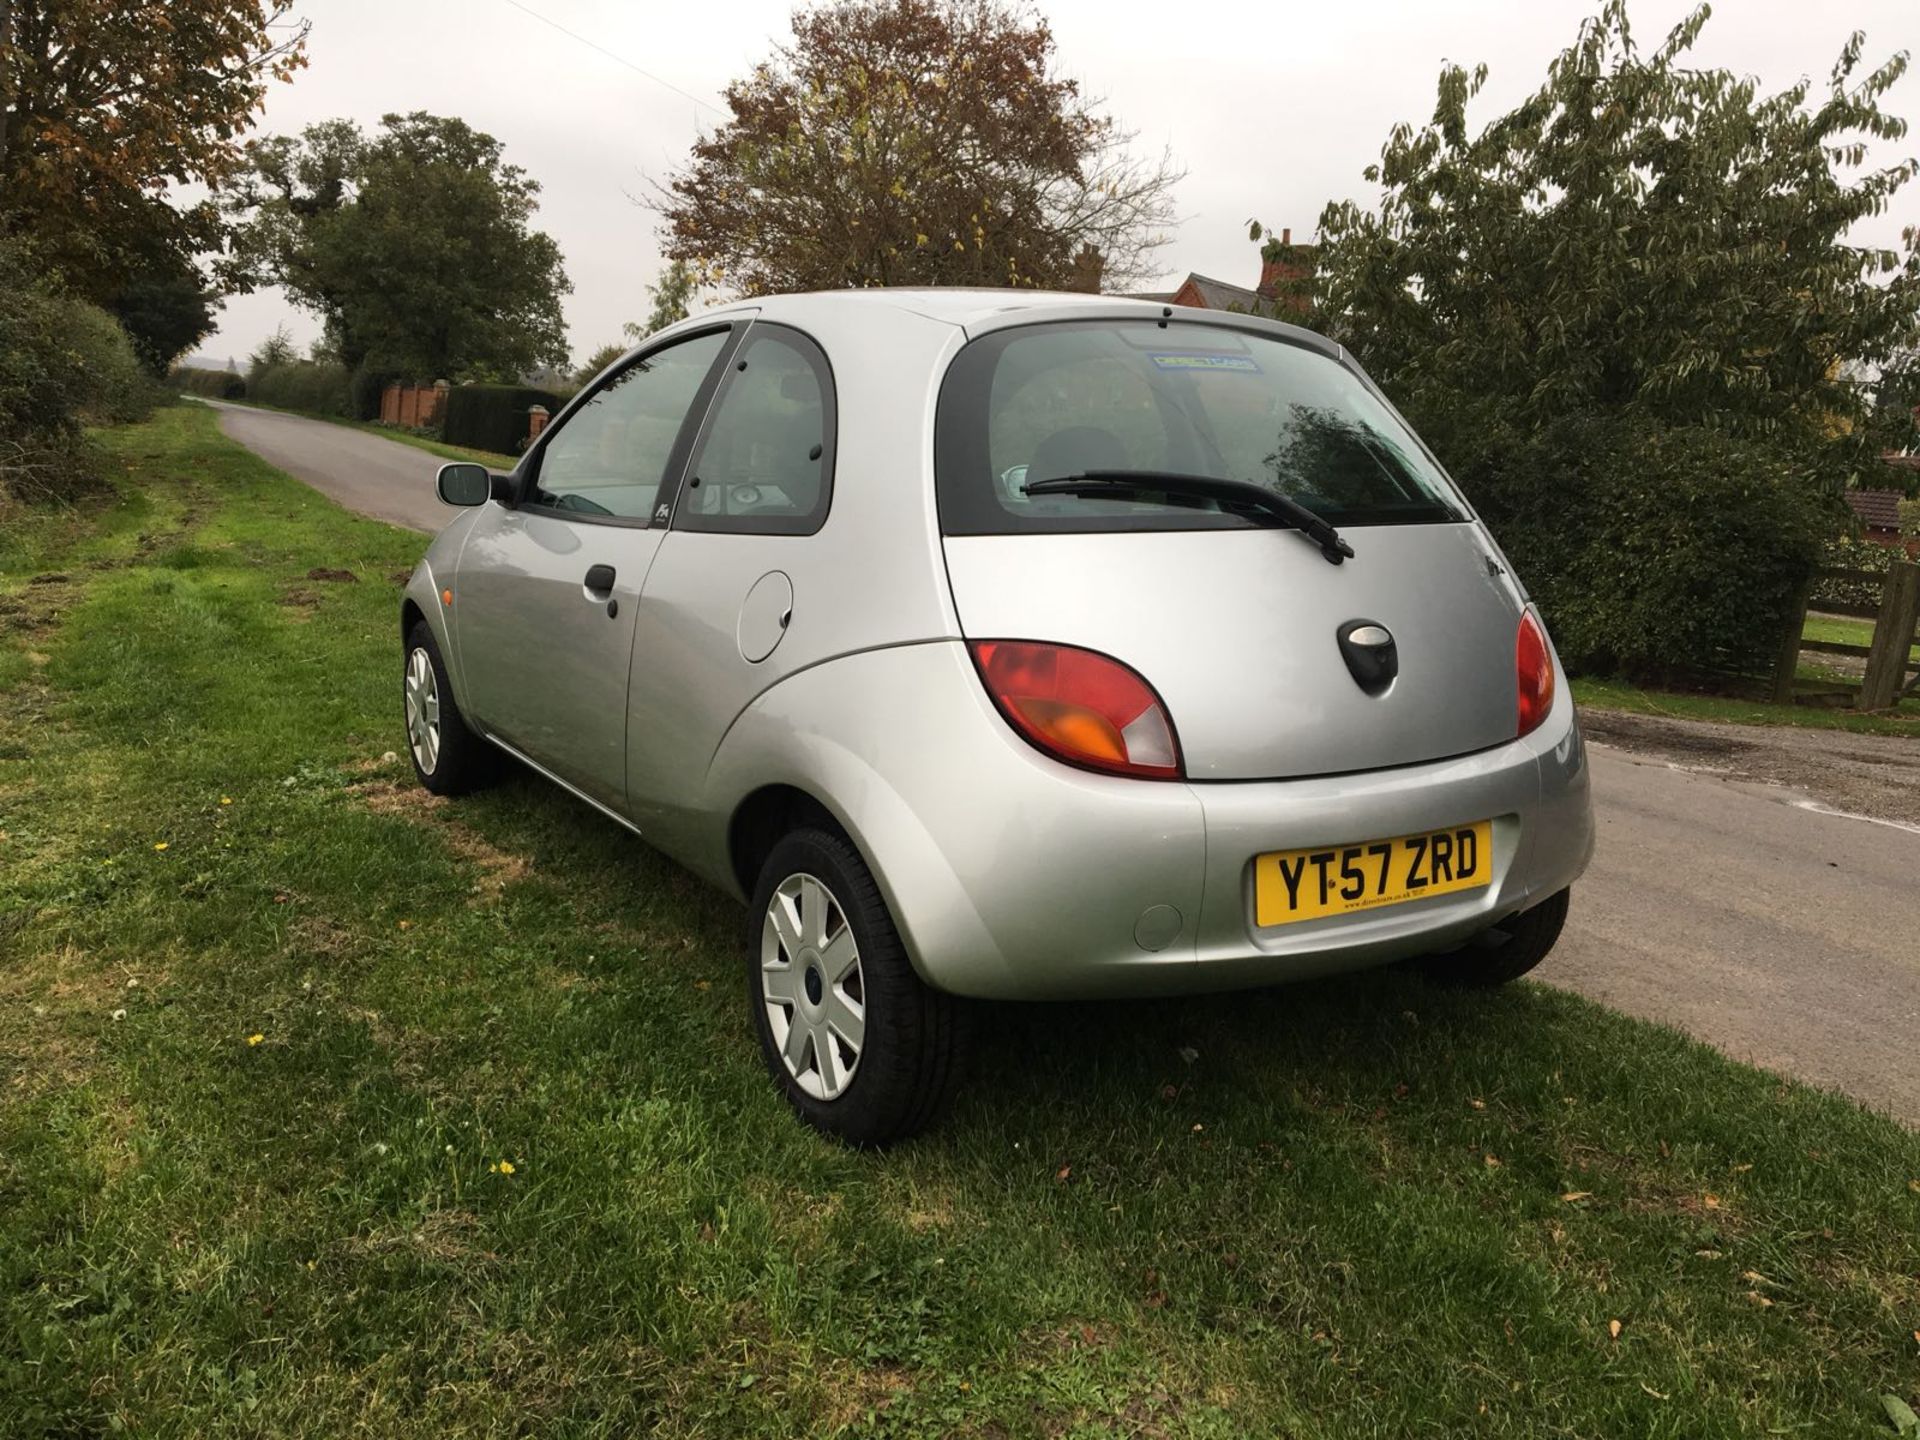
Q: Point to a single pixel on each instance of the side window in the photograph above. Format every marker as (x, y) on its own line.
(765, 464)
(611, 455)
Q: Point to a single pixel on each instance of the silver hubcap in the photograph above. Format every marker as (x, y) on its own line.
(423, 711)
(811, 985)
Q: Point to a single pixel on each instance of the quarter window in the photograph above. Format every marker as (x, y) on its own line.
(611, 456)
(765, 464)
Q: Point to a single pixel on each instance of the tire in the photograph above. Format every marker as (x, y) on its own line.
(1503, 952)
(449, 758)
(806, 992)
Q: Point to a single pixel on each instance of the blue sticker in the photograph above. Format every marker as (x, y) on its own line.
(1190, 360)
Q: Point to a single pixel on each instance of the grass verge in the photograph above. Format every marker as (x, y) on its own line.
(1730, 710)
(326, 1108)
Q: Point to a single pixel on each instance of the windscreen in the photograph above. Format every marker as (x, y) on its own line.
(1079, 398)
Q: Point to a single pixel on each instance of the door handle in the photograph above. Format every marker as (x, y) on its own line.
(600, 580)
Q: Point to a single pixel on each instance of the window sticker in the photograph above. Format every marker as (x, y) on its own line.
(1190, 361)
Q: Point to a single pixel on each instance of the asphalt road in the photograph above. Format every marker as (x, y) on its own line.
(1732, 910)
(381, 478)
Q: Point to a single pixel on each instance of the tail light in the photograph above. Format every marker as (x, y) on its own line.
(1080, 706)
(1533, 663)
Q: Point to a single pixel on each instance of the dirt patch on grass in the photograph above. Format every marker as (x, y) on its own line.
(498, 868)
(1877, 775)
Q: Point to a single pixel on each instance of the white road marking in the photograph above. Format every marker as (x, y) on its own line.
(1821, 808)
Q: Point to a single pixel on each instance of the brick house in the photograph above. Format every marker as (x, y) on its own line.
(1286, 270)
(1878, 511)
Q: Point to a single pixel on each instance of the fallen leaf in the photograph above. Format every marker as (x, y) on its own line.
(1905, 1422)
(1478, 1104)
(1613, 1329)
(160, 845)
(1710, 1201)
(1741, 1169)
(1573, 1195)
(1492, 1161)
(406, 924)
(1063, 1174)
(703, 984)
(1198, 1128)
(1757, 1298)
(1156, 1299)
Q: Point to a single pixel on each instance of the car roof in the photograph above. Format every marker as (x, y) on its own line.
(978, 309)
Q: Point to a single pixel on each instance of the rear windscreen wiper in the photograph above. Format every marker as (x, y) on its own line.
(1123, 484)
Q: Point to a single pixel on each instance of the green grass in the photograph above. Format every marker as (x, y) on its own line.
(493, 460)
(1363, 1208)
(1842, 629)
(1732, 710)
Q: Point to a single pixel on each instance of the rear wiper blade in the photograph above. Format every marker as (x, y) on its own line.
(1114, 484)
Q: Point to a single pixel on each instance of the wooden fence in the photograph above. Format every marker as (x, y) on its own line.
(1889, 658)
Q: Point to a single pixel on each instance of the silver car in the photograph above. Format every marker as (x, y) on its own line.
(1001, 645)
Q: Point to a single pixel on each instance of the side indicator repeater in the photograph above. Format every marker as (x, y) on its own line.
(446, 597)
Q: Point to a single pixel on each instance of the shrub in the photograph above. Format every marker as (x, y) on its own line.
(494, 417)
(219, 384)
(365, 387)
(1653, 549)
(314, 386)
(63, 363)
(1851, 553)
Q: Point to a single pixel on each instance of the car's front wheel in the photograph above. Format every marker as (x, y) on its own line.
(1505, 951)
(860, 1046)
(449, 758)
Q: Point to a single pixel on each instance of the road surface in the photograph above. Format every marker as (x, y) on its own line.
(365, 473)
(1778, 923)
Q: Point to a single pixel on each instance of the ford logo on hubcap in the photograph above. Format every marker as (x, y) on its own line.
(1372, 657)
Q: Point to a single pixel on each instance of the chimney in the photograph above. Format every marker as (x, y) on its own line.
(1285, 272)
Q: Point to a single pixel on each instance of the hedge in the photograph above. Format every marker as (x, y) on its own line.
(63, 363)
(1655, 550)
(494, 417)
(218, 384)
(316, 387)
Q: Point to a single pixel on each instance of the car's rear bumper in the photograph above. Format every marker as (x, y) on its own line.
(1011, 876)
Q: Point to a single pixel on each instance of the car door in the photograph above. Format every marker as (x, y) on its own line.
(715, 615)
(547, 589)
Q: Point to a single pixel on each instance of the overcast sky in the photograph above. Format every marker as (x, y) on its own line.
(1271, 108)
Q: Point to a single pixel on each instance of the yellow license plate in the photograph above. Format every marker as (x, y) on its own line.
(1290, 885)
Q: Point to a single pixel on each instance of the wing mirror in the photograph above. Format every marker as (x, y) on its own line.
(463, 483)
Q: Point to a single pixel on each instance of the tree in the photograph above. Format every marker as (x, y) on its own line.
(672, 300)
(921, 142)
(1628, 309)
(165, 314)
(107, 104)
(277, 349)
(414, 246)
(599, 360)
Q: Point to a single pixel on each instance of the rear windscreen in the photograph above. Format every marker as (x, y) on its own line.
(1099, 397)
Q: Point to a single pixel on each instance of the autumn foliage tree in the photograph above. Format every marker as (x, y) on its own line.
(107, 106)
(1629, 315)
(915, 142)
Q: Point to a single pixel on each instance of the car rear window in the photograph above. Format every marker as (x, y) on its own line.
(1049, 401)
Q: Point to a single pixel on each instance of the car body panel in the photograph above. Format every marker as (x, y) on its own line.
(547, 664)
(1238, 631)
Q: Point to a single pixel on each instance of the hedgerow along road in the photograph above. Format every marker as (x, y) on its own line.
(1783, 935)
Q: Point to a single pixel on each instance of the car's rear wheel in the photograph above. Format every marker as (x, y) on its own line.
(860, 1046)
(1505, 951)
(449, 758)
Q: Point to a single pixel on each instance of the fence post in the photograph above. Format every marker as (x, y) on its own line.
(1787, 663)
(1892, 635)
